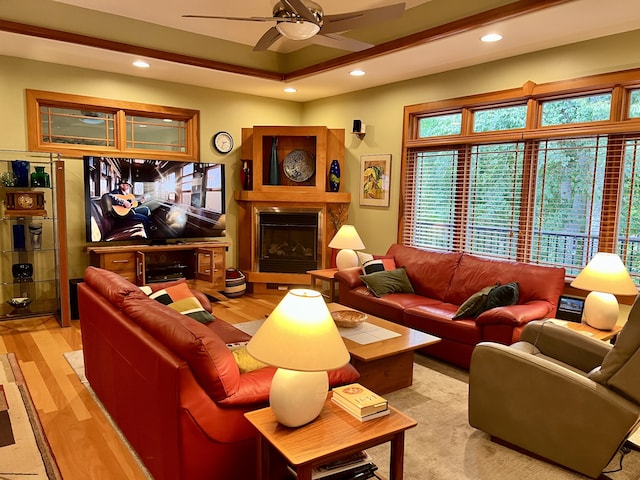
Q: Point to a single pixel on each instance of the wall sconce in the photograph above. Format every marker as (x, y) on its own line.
(358, 129)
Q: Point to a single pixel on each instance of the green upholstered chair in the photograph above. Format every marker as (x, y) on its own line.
(559, 394)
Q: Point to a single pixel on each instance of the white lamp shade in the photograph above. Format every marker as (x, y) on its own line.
(606, 273)
(300, 334)
(347, 237)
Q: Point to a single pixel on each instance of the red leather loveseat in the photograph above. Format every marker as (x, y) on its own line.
(171, 383)
(444, 281)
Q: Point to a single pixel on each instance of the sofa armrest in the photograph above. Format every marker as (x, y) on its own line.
(253, 389)
(349, 277)
(515, 315)
(203, 299)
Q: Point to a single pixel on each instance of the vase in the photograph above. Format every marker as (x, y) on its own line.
(22, 270)
(18, 237)
(21, 171)
(247, 177)
(334, 176)
(35, 235)
(40, 178)
(274, 168)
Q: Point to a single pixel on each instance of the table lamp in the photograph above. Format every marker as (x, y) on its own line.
(605, 275)
(302, 340)
(347, 240)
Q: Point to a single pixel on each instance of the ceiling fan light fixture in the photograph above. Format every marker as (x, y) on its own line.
(297, 30)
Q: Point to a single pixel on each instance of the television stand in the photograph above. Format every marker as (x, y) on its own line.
(201, 263)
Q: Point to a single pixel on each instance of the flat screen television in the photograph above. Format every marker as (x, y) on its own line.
(152, 201)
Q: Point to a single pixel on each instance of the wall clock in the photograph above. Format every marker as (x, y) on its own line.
(223, 142)
(25, 204)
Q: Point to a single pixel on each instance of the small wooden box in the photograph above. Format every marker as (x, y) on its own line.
(25, 203)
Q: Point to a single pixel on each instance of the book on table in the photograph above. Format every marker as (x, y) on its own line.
(359, 400)
(357, 465)
(363, 418)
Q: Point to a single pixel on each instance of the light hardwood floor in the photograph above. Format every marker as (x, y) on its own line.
(85, 445)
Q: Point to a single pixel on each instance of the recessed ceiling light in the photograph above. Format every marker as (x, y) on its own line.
(141, 64)
(357, 73)
(491, 37)
(290, 90)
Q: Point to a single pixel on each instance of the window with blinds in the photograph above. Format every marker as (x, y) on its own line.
(532, 177)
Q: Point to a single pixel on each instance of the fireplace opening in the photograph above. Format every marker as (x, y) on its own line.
(288, 242)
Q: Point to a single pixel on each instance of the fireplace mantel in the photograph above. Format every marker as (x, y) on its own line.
(325, 145)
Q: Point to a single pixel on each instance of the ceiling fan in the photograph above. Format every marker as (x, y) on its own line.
(303, 19)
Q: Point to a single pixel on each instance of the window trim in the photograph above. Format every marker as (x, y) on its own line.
(619, 84)
(37, 98)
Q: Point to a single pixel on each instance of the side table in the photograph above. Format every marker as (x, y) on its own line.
(604, 335)
(333, 435)
(325, 275)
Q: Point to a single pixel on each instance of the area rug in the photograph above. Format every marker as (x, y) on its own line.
(445, 447)
(24, 450)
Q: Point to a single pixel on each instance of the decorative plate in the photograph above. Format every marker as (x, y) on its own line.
(348, 318)
(299, 166)
(19, 302)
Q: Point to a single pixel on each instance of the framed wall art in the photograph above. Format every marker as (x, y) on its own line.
(375, 173)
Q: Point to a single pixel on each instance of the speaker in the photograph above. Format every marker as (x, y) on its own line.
(357, 126)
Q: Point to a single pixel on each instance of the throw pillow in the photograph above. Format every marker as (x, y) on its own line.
(246, 363)
(502, 296)
(474, 305)
(372, 266)
(179, 298)
(364, 257)
(388, 281)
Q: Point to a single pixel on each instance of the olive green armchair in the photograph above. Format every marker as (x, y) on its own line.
(559, 394)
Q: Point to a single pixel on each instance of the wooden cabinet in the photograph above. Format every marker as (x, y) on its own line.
(201, 263)
(310, 193)
(33, 244)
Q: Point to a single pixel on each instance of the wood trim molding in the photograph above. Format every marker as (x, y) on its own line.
(462, 25)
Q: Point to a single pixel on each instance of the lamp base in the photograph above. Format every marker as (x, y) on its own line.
(297, 398)
(346, 258)
(601, 310)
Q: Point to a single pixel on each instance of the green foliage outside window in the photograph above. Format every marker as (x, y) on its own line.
(591, 108)
(450, 124)
(505, 118)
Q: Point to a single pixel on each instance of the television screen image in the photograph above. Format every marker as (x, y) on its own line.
(152, 200)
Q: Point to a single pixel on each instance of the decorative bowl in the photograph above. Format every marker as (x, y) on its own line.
(348, 318)
(299, 166)
(19, 302)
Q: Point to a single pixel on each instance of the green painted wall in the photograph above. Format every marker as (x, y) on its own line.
(381, 109)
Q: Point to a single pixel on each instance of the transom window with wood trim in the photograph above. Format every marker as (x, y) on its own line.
(546, 174)
(75, 125)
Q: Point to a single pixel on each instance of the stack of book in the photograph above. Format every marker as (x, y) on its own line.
(360, 402)
(357, 466)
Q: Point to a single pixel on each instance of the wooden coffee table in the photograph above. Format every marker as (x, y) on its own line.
(386, 365)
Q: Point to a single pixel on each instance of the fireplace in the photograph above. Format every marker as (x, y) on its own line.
(289, 240)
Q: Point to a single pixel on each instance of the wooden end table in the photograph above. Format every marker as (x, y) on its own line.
(331, 436)
(325, 275)
(603, 335)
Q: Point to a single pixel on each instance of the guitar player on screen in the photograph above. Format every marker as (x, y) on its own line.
(126, 205)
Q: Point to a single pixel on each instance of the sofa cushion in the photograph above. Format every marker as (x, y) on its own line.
(429, 272)
(372, 266)
(475, 304)
(246, 363)
(208, 357)
(391, 281)
(502, 295)
(387, 261)
(180, 298)
(627, 345)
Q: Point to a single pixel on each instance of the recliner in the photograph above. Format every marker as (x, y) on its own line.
(559, 394)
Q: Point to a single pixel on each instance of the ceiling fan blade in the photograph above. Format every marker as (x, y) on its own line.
(269, 37)
(333, 40)
(243, 19)
(301, 9)
(363, 18)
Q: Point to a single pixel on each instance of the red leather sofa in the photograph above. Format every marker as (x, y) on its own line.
(442, 282)
(171, 383)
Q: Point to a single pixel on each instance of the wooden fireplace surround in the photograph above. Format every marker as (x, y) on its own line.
(325, 144)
